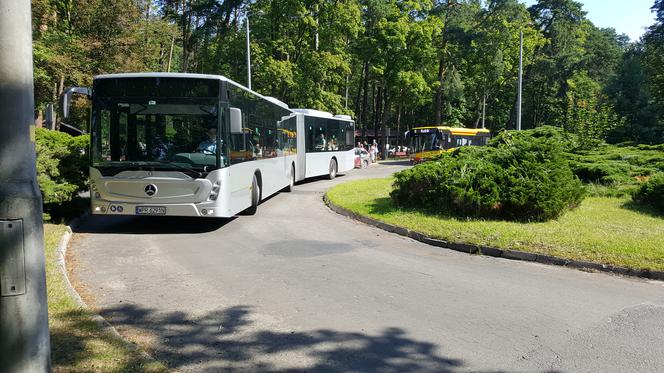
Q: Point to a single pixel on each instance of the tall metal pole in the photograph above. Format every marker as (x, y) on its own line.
(483, 109)
(346, 99)
(24, 338)
(518, 104)
(248, 56)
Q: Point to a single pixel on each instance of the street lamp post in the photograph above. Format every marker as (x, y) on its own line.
(248, 56)
(518, 104)
(24, 338)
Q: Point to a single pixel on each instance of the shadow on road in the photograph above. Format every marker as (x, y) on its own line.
(226, 339)
(149, 224)
(316, 179)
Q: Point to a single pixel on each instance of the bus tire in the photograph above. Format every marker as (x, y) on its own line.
(291, 185)
(255, 197)
(333, 169)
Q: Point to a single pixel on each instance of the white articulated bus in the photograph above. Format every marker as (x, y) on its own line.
(201, 145)
(328, 143)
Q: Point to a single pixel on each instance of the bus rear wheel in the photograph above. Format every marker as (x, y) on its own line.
(333, 169)
(291, 185)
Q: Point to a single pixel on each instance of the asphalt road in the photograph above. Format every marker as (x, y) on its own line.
(300, 288)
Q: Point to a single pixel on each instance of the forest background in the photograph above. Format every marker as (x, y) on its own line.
(390, 63)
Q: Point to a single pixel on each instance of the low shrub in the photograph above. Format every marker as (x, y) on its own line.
(518, 176)
(659, 147)
(601, 173)
(61, 165)
(641, 171)
(645, 160)
(651, 193)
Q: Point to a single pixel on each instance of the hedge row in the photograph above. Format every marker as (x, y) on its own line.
(521, 176)
(651, 193)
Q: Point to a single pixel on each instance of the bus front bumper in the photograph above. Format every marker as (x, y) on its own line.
(204, 209)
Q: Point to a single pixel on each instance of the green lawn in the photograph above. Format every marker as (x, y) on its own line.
(78, 344)
(603, 230)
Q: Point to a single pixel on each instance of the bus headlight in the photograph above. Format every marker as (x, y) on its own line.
(215, 191)
(93, 190)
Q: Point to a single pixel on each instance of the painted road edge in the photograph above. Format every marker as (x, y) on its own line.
(495, 252)
(61, 254)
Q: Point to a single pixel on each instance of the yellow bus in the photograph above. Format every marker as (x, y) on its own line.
(428, 142)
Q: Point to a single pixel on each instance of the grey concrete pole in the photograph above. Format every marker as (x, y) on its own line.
(24, 338)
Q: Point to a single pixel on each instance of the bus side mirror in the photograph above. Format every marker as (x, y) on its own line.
(236, 120)
(66, 97)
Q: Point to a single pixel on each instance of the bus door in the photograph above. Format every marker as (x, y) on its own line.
(301, 162)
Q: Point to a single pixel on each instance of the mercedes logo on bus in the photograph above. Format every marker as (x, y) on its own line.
(150, 190)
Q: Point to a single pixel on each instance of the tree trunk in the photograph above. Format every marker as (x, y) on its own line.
(478, 117)
(438, 102)
(170, 54)
(365, 92)
(376, 110)
(61, 87)
(383, 121)
(399, 109)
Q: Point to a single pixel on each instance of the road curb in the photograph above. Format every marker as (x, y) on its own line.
(496, 252)
(61, 254)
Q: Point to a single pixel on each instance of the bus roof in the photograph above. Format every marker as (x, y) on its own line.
(191, 76)
(455, 130)
(323, 114)
(276, 101)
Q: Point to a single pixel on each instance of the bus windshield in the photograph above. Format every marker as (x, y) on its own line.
(166, 133)
(426, 140)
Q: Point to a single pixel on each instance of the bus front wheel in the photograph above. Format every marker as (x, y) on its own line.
(255, 197)
(333, 169)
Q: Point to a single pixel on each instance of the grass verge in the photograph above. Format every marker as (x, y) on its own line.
(78, 343)
(602, 230)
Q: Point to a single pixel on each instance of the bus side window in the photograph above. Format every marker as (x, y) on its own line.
(321, 138)
(310, 137)
(270, 146)
(104, 144)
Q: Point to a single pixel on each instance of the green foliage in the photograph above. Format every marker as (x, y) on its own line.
(542, 135)
(601, 173)
(651, 193)
(653, 52)
(61, 165)
(390, 63)
(616, 170)
(519, 176)
(587, 115)
(630, 94)
(74, 40)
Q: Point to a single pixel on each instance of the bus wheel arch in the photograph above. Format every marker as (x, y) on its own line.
(259, 180)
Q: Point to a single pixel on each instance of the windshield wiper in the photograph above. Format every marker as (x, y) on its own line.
(181, 168)
(141, 165)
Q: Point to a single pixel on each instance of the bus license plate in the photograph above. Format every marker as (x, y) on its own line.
(150, 210)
